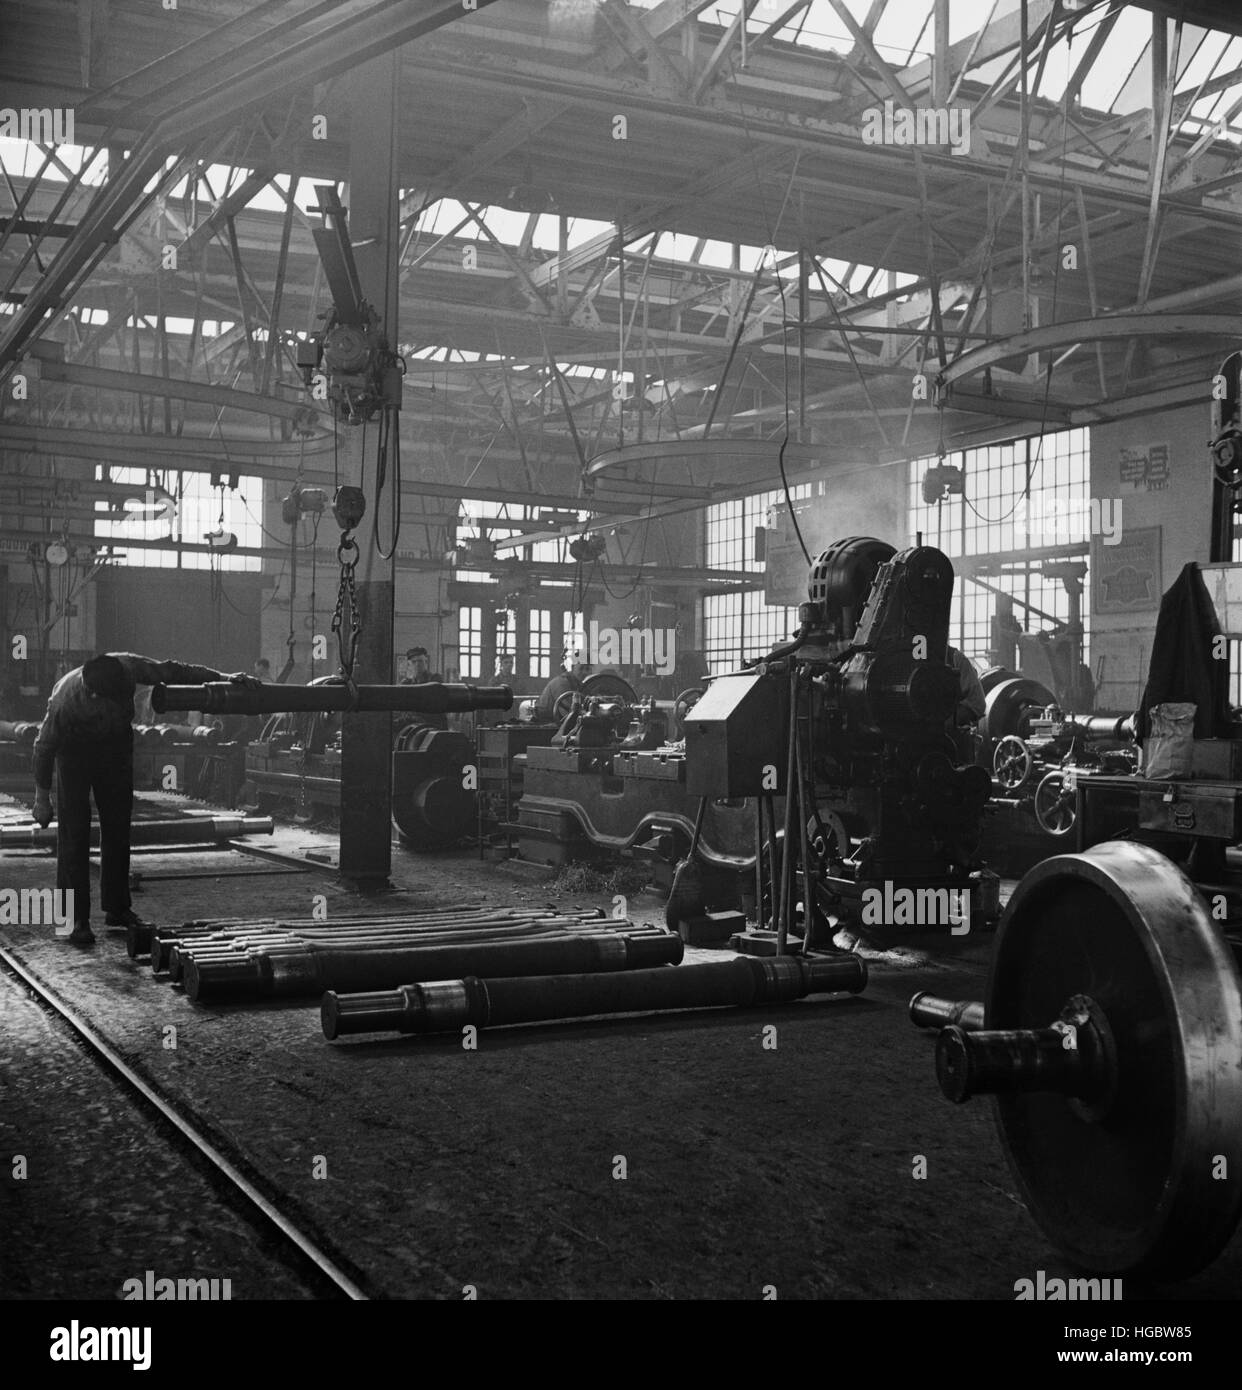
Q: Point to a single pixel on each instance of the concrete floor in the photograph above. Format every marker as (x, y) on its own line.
(427, 1168)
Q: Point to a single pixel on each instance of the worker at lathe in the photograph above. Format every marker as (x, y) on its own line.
(87, 737)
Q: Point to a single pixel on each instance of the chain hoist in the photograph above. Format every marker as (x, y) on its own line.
(348, 506)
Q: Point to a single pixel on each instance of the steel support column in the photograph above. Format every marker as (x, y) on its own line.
(366, 745)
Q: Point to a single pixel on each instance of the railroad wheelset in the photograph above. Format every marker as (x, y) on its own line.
(1113, 1047)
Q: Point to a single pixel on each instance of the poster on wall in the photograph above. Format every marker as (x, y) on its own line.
(1145, 466)
(1125, 577)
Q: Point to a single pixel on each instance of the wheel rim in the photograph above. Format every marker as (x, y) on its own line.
(1131, 1191)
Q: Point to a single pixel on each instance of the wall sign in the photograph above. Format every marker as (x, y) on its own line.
(1145, 466)
(1126, 577)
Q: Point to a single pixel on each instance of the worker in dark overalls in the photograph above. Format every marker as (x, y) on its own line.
(87, 737)
(971, 705)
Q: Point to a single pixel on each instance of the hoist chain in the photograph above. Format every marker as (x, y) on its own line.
(347, 648)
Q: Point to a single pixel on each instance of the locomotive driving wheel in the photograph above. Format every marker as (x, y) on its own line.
(1113, 1045)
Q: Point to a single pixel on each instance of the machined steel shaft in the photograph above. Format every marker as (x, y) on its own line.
(449, 1005)
(1073, 1056)
(304, 972)
(189, 831)
(162, 940)
(181, 953)
(929, 1011)
(140, 936)
(432, 697)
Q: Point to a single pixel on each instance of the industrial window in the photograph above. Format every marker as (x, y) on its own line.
(739, 625)
(993, 527)
(178, 507)
(540, 645)
(470, 641)
(729, 534)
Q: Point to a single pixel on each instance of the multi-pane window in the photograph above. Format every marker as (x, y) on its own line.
(729, 535)
(180, 507)
(738, 625)
(1032, 494)
(470, 641)
(540, 645)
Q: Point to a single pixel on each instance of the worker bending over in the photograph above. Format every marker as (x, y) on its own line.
(87, 736)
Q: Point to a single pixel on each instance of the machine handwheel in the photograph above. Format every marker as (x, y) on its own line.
(1011, 762)
(563, 704)
(682, 706)
(1145, 1176)
(1055, 804)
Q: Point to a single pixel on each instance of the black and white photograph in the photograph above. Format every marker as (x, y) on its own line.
(620, 660)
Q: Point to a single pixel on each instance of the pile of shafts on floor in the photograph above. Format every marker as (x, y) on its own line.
(443, 970)
(233, 960)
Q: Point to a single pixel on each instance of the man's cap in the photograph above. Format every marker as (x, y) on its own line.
(415, 651)
(106, 677)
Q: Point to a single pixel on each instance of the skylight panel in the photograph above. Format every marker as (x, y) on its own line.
(1117, 60)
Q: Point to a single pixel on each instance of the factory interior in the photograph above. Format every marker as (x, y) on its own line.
(621, 652)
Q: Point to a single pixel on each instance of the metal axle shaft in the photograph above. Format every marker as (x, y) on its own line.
(433, 697)
(1074, 1056)
(449, 1005)
(190, 831)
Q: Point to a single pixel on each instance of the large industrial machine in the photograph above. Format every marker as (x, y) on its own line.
(1037, 752)
(610, 780)
(843, 739)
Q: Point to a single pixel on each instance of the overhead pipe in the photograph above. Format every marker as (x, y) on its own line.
(449, 1005)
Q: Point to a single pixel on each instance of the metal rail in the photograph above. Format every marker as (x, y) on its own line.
(260, 1204)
